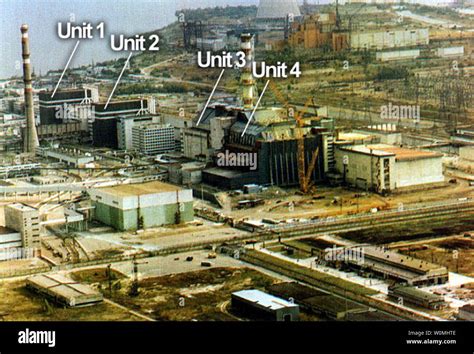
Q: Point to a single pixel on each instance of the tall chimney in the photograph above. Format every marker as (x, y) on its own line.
(30, 141)
(249, 87)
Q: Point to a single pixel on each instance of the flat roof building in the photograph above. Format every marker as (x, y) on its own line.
(152, 139)
(394, 265)
(382, 167)
(140, 206)
(64, 290)
(24, 219)
(256, 303)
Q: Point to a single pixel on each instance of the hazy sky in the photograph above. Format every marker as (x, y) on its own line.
(120, 16)
(49, 52)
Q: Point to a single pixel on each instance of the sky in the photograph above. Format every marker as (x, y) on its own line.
(120, 16)
(49, 52)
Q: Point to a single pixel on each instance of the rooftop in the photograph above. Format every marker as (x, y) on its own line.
(384, 150)
(403, 154)
(21, 207)
(263, 299)
(128, 190)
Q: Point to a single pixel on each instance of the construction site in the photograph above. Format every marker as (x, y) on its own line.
(153, 189)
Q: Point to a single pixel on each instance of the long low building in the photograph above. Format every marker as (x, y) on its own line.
(412, 295)
(141, 206)
(64, 290)
(256, 303)
(393, 265)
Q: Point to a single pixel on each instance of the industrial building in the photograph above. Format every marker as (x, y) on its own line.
(393, 265)
(103, 125)
(256, 303)
(394, 38)
(275, 149)
(24, 219)
(412, 295)
(67, 105)
(384, 168)
(71, 157)
(141, 206)
(318, 31)
(152, 139)
(125, 125)
(398, 55)
(63, 290)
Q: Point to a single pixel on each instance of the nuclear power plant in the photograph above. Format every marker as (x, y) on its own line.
(30, 138)
(275, 160)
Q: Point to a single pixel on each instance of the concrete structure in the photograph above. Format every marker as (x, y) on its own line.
(63, 290)
(125, 125)
(389, 39)
(103, 125)
(30, 136)
(398, 55)
(385, 168)
(72, 157)
(412, 295)
(390, 264)
(24, 219)
(152, 139)
(277, 9)
(466, 313)
(139, 206)
(450, 52)
(71, 105)
(256, 303)
(10, 240)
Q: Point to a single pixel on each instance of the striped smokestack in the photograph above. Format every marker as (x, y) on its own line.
(30, 136)
(249, 86)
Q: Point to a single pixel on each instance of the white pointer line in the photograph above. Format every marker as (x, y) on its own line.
(210, 97)
(65, 68)
(118, 80)
(255, 108)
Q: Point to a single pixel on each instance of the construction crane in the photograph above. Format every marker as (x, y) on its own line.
(304, 173)
(134, 288)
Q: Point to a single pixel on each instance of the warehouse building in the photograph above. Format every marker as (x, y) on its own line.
(141, 206)
(396, 38)
(257, 304)
(152, 139)
(392, 265)
(63, 290)
(412, 295)
(385, 168)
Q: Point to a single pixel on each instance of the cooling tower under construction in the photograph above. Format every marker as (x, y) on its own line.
(30, 135)
(275, 9)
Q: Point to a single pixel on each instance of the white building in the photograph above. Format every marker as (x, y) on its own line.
(390, 39)
(152, 139)
(382, 167)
